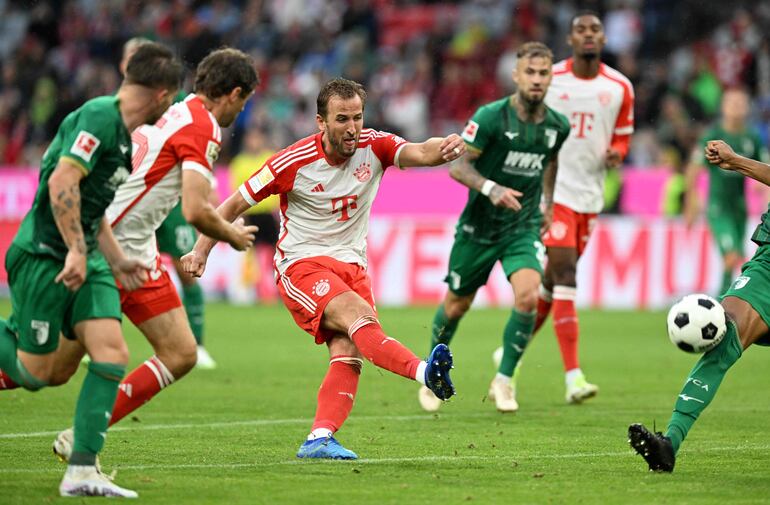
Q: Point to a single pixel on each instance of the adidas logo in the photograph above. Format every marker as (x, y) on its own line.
(318, 188)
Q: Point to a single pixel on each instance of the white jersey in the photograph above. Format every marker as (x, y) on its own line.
(187, 137)
(599, 110)
(324, 208)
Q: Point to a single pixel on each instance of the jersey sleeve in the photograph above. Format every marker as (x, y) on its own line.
(266, 181)
(196, 151)
(387, 146)
(479, 130)
(563, 131)
(86, 139)
(624, 124)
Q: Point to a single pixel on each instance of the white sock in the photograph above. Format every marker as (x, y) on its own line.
(420, 374)
(502, 377)
(320, 433)
(573, 374)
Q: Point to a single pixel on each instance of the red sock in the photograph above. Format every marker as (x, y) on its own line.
(544, 302)
(382, 350)
(144, 382)
(6, 382)
(565, 325)
(337, 392)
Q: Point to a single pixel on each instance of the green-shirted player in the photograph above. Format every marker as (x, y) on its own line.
(726, 209)
(747, 304)
(510, 164)
(61, 262)
(176, 238)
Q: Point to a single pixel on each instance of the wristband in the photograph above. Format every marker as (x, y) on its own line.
(486, 188)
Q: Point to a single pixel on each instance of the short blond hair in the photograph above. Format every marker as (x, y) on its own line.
(534, 50)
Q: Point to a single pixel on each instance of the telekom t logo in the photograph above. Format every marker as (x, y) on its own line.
(582, 121)
(346, 202)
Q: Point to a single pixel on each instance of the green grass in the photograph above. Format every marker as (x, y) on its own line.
(229, 435)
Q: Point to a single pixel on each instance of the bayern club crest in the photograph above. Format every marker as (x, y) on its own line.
(364, 172)
(558, 230)
(605, 97)
(321, 287)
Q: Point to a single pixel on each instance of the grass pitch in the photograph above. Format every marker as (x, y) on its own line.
(230, 435)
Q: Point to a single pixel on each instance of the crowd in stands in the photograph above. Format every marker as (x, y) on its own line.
(426, 65)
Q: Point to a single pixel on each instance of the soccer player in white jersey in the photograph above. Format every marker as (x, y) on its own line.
(172, 158)
(327, 183)
(599, 102)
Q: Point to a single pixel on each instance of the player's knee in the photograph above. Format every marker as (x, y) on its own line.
(526, 301)
(179, 359)
(456, 308)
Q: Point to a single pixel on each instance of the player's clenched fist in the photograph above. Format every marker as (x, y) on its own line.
(718, 152)
(452, 147)
(244, 235)
(193, 263)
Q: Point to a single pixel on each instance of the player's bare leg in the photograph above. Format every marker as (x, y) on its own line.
(445, 324)
(745, 327)
(730, 262)
(192, 297)
(562, 262)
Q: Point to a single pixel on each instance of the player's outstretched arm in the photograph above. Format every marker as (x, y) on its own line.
(463, 172)
(194, 263)
(199, 212)
(432, 152)
(64, 192)
(719, 153)
(131, 273)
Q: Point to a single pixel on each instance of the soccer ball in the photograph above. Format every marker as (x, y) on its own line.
(696, 323)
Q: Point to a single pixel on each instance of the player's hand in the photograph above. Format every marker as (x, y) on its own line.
(73, 275)
(193, 263)
(452, 147)
(547, 219)
(500, 196)
(613, 159)
(244, 235)
(130, 273)
(719, 153)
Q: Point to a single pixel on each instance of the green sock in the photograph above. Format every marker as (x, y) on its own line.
(192, 297)
(516, 336)
(702, 385)
(443, 329)
(10, 364)
(727, 279)
(94, 410)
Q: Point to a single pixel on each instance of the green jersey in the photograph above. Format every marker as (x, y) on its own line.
(515, 154)
(94, 138)
(726, 187)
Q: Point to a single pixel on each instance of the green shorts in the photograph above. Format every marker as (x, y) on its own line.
(176, 237)
(753, 285)
(470, 263)
(729, 231)
(42, 308)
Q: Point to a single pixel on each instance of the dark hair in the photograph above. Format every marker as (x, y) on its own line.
(223, 70)
(343, 88)
(153, 65)
(534, 50)
(585, 12)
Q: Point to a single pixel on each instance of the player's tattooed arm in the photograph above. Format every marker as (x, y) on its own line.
(719, 153)
(64, 193)
(463, 172)
(549, 184)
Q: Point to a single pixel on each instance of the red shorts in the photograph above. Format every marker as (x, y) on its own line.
(308, 285)
(569, 229)
(156, 297)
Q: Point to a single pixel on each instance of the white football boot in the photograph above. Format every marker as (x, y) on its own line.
(62, 448)
(205, 361)
(89, 481)
(428, 401)
(503, 392)
(579, 389)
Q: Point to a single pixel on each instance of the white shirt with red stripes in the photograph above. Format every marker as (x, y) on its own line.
(324, 208)
(187, 137)
(599, 110)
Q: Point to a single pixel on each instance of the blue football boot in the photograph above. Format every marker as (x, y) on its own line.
(437, 372)
(324, 448)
